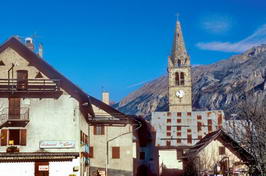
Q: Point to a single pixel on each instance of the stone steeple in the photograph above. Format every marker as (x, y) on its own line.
(179, 75)
(179, 56)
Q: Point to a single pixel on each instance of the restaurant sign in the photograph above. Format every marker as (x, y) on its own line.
(57, 144)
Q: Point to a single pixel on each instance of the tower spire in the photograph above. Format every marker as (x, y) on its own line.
(179, 56)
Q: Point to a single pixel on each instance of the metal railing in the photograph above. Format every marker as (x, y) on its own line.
(29, 85)
(21, 114)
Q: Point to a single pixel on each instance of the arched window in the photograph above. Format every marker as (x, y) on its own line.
(182, 78)
(177, 78)
(178, 62)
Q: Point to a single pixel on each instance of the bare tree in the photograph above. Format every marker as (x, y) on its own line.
(249, 128)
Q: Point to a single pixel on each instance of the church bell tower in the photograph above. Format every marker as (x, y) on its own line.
(179, 75)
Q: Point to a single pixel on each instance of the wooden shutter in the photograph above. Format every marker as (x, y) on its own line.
(94, 130)
(14, 108)
(22, 77)
(115, 152)
(23, 137)
(4, 133)
(102, 130)
(91, 152)
(221, 150)
(209, 125)
(199, 126)
(189, 139)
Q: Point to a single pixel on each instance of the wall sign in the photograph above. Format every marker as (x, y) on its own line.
(57, 144)
(43, 168)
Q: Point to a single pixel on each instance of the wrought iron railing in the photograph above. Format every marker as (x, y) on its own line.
(29, 85)
(21, 114)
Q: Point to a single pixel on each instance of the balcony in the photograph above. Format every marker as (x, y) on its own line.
(31, 88)
(17, 118)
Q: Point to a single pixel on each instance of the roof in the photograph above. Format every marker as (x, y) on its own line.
(48, 70)
(35, 156)
(66, 84)
(226, 140)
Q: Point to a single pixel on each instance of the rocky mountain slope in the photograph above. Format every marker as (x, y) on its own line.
(222, 85)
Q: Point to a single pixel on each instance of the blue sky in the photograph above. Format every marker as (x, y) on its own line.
(117, 45)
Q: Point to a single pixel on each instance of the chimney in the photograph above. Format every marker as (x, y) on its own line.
(105, 98)
(40, 50)
(29, 43)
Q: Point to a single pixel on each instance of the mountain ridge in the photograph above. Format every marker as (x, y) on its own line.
(221, 85)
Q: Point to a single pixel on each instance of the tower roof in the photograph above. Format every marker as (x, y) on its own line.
(178, 49)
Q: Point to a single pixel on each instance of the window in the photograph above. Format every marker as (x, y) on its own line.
(178, 134)
(2, 63)
(199, 126)
(221, 150)
(168, 134)
(209, 125)
(177, 79)
(188, 113)
(168, 143)
(169, 114)
(199, 137)
(39, 75)
(83, 138)
(178, 62)
(22, 79)
(14, 108)
(179, 114)
(13, 137)
(199, 117)
(98, 130)
(91, 152)
(178, 128)
(142, 155)
(220, 119)
(189, 139)
(188, 130)
(115, 152)
(168, 128)
(178, 120)
(168, 120)
(178, 141)
(182, 78)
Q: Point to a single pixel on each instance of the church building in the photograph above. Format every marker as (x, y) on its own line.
(181, 127)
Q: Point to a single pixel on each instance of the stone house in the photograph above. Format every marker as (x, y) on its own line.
(218, 153)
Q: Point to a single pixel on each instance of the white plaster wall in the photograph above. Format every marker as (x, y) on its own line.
(169, 159)
(17, 169)
(209, 156)
(50, 119)
(125, 142)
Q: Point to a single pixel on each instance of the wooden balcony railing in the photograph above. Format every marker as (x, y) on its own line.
(14, 118)
(29, 85)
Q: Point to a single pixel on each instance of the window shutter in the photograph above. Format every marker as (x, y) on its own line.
(4, 137)
(23, 137)
(102, 130)
(115, 152)
(91, 152)
(94, 130)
